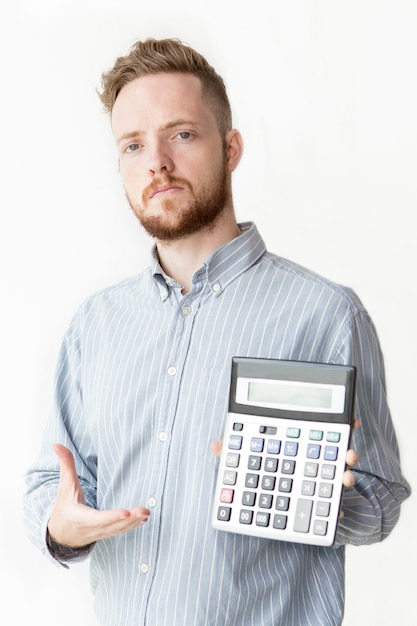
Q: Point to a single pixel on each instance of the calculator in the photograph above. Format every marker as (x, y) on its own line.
(283, 456)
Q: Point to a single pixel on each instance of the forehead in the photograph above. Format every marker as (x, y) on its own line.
(151, 101)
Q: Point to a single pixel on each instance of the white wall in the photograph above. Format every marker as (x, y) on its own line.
(324, 93)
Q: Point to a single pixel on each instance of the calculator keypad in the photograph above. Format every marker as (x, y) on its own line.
(281, 480)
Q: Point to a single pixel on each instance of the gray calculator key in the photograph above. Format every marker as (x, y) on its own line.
(232, 459)
(320, 527)
(303, 515)
(323, 508)
(328, 471)
(229, 477)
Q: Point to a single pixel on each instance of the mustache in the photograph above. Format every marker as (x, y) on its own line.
(165, 180)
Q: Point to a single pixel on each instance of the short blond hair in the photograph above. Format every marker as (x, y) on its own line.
(154, 56)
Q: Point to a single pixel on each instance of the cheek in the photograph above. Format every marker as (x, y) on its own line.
(132, 181)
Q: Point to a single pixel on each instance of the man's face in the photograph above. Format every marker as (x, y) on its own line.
(172, 158)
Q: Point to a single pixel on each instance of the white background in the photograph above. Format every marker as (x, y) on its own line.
(324, 93)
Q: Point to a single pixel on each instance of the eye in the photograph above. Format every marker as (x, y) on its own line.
(184, 134)
(132, 147)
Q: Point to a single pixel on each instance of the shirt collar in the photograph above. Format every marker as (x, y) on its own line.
(223, 266)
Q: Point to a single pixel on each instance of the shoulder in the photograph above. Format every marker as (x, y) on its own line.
(118, 295)
(300, 277)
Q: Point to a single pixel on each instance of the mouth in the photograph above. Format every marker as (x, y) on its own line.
(164, 191)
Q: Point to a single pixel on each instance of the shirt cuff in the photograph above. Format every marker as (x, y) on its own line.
(65, 553)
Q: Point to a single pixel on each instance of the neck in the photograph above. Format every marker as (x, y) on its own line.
(182, 258)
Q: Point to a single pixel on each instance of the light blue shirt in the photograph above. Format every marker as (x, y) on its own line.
(141, 392)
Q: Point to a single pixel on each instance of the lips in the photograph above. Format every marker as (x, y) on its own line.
(163, 189)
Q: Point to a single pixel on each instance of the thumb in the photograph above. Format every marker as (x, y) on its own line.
(69, 484)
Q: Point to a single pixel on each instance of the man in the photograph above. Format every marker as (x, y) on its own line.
(143, 379)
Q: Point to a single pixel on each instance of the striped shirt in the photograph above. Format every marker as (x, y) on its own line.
(141, 392)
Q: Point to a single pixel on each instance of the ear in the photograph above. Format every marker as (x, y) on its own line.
(234, 148)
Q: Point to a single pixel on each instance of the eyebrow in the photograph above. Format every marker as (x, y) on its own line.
(178, 122)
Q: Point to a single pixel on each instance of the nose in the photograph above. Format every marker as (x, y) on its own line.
(160, 159)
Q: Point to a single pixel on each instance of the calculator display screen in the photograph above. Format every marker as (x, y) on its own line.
(291, 395)
(314, 396)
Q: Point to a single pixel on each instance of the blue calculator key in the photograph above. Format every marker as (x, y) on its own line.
(235, 442)
(291, 448)
(273, 446)
(313, 451)
(257, 444)
(330, 453)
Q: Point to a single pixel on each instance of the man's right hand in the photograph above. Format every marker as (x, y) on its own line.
(73, 523)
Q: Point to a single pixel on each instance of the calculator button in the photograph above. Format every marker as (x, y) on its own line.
(303, 515)
(271, 464)
(265, 501)
(257, 444)
(330, 453)
(323, 509)
(235, 442)
(311, 469)
(249, 498)
(262, 519)
(285, 484)
(333, 437)
(224, 513)
(229, 478)
(316, 435)
(313, 451)
(237, 426)
(273, 446)
(268, 483)
(282, 503)
(245, 517)
(232, 459)
(290, 448)
(308, 488)
(288, 467)
(319, 527)
(268, 430)
(325, 490)
(254, 462)
(252, 480)
(328, 471)
(280, 521)
(226, 496)
(293, 433)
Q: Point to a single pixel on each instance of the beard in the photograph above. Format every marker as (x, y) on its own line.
(203, 211)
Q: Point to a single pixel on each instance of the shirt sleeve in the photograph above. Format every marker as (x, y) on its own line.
(371, 508)
(67, 426)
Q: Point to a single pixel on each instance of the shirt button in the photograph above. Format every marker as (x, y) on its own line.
(172, 371)
(144, 568)
(216, 287)
(163, 436)
(186, 310)
(151, 502)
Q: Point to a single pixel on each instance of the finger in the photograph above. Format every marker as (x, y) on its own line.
(356, 424)
(69, 483)
(93, 525)
(348, 479)
(216, 447)
(352, 458)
